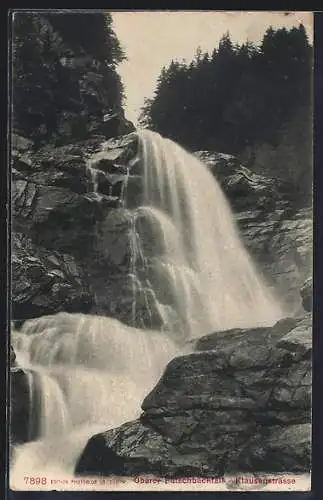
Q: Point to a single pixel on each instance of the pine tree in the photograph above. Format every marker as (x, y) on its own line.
(45, 91)
(241, 98)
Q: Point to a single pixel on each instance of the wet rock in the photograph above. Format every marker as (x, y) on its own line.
(65, 206)
(307, 294)
(22, 426)
(100, 458)
(19, 407)
(134, 190)
(26, 401)
(128, 142)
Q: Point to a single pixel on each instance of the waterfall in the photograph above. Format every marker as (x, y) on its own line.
(90, 373)
(198, 258)
(93, 174)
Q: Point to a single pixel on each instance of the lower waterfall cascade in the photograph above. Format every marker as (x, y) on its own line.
(91, 373)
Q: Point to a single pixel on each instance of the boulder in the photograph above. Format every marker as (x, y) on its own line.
(241, 405)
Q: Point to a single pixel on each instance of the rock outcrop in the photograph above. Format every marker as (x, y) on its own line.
(45, 281)
(242, 186)
(240, 402)
(277, 234)
(70, 226)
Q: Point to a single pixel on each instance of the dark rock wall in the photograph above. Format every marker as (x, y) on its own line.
(70, 242)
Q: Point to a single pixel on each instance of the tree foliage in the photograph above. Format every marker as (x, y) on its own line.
(47, 92)
(93, 33)
(241, 99)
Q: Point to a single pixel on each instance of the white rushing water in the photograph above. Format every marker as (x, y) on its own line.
(199, 256)
(91, 373)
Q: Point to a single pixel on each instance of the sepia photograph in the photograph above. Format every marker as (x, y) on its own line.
(161, 194)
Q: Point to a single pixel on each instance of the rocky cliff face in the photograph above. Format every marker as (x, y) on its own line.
(277, 234)
(73, 232)
(240, 402)
(70, 228)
